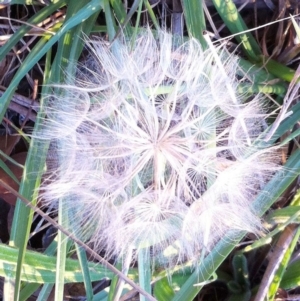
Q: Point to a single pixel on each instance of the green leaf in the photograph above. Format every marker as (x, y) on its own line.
(163, 290)
(235, 23)
(194, 18)
(120, 13)
(40, 268)
(276, 283)
(8, 171)
(291, 277)
(45, 291)
(277, 69)
(69, 49)
(282, 215)
(144, 266)
(86, 273)
(240, 270)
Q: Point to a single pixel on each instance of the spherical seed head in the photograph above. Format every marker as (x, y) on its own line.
(154, 148)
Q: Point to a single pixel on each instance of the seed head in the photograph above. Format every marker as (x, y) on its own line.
(154, 148)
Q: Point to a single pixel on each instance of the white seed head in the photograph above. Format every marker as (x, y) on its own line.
(153, 147)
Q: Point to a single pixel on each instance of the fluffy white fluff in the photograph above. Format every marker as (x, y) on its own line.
(154, 148)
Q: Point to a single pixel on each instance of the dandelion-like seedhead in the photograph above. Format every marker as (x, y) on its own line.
(154, 148)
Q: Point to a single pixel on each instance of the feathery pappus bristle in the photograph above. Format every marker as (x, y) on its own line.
(154, 147)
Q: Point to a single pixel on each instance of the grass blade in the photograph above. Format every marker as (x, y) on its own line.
(282, 267)
(144, 267)
(41, 268)
(235, 23)
(194, 17)
(85, 271)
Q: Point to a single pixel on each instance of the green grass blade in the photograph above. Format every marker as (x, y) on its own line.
(144, 267)
(163, 290)
(61, 252)
(119, 10)
(120, 13)
(205, 272)
(72, 53)
(292, 136)
(34, 163)
(101, 296)
(291, 219)
(30, 288)
(69, 49)
(194, 18)
(235, 23)
(134, 34)
(45, 292)
(43, 151)
(255, 73)
(291, 277)
(8, 171)
(277, 69)
(29, 187)
(281, 216)
(109, 20)
(285, 126)
(256, 88)
(113, 285)
(152, 14)
(282, 267)
(81, 254)
(41, 268)
(116, 288)
(288, 123)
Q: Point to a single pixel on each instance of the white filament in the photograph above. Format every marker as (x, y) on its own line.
(154, 147)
